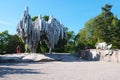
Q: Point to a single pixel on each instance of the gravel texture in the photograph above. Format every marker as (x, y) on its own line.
(58, 70)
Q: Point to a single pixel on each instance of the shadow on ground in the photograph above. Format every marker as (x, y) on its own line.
(19, 63)
(7, 70)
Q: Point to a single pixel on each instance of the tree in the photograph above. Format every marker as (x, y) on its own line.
(34, 18)
(4, 37)
(85, 36)
(70, 42)
(46, 17)
(8, 43)
(13, 42)
(104, 27)
(106, 8)
(107, 26)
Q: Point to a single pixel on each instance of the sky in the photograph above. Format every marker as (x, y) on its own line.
(73, 14)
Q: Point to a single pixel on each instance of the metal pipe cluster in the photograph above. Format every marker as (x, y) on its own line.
(32, 32)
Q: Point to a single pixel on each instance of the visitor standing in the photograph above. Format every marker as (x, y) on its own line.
(18, 49)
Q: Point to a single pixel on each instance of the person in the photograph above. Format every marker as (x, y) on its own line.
(18, 49)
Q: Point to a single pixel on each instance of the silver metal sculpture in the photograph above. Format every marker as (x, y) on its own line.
(32, 32)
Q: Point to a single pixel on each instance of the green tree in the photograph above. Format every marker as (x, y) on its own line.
(34, 18)
(107, 26)
(46, 17)
(85, 36)
(70, 42)
(13, 42)
(4, 37)
(104, 27)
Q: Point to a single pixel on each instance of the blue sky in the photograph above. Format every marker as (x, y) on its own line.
(72, 13)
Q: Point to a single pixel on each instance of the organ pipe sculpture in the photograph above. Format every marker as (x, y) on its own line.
(32, 32)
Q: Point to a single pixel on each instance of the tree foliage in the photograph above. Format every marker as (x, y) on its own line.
(13, 42)
(70, 42)
(104, 27)
(4, 38)
(8, 43)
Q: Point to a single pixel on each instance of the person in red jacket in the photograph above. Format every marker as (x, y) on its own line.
(18, 49)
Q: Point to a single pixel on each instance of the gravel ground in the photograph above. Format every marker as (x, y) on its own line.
(56, 70)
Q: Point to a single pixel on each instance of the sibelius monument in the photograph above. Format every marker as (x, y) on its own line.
(32, 32)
